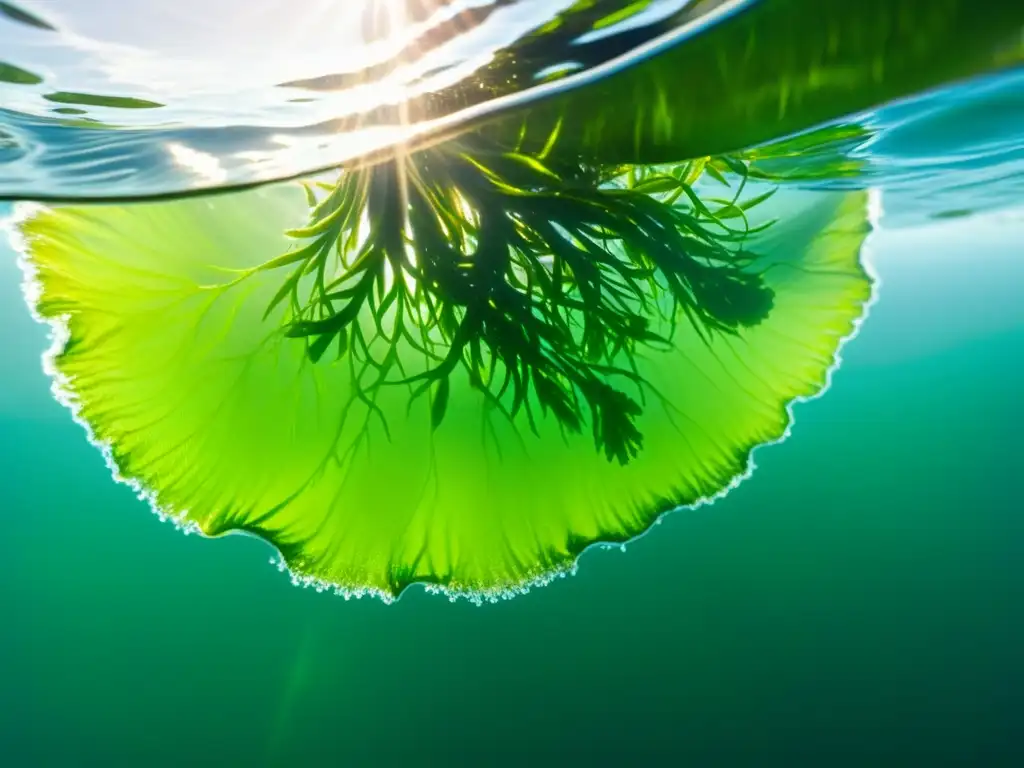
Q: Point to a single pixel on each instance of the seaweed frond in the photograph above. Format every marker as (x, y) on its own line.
(540, 279)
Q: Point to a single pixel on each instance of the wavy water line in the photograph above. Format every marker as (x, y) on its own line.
(263, 154)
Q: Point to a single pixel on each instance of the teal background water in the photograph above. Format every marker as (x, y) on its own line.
(859, 601)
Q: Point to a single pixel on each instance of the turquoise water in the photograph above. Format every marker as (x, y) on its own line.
(947, 152)
(857, 602)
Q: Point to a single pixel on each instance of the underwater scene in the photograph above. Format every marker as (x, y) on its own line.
(511, 382)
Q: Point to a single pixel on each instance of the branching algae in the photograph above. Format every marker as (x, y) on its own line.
(464, 367)
(533, 279)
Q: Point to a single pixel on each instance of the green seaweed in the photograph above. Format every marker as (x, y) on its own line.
(462, 364)
(20, 16)
(533, 275)
(329, 391)
(18, 76)
(100, 100)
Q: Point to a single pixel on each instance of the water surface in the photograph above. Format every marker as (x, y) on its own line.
(106, 100)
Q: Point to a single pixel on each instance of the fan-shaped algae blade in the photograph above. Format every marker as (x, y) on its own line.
(202, 401)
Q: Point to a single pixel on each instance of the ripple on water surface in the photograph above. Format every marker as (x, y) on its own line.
(106, 99)
(112, 99)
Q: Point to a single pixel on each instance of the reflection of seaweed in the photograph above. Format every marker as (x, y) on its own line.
(536, 277)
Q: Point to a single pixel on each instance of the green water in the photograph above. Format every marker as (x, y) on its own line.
(859, 601)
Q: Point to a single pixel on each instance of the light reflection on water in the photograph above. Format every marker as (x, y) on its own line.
(204, 94)
(260, 89)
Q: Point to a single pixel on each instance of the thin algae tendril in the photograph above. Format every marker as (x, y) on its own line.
(529, 280)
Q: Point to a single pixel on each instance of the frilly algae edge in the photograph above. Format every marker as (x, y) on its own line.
(544, 569)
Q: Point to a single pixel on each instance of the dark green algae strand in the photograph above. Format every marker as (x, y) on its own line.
(18, 15)
(18, 76)
(512, 259)
(100, 100)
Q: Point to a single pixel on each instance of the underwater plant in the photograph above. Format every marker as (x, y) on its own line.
(461, 362)
(529, 276)
(463, 379)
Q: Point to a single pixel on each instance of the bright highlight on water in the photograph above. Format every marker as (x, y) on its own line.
(566, 280)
